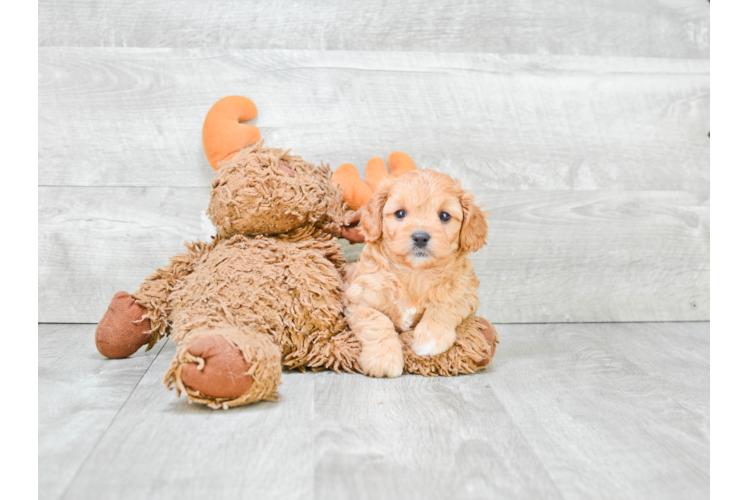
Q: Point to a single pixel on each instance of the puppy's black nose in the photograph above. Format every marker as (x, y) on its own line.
(421, 239)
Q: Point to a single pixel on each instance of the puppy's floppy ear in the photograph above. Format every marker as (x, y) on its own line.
(371, 214)
(474, 228)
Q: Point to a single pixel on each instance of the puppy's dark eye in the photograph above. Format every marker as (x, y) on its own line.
(444, 216)
(400, 214)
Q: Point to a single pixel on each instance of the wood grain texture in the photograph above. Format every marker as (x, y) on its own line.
(642, 28)
(565, 256)
(574, 256)
(351, 251)
(95, 242)
(616, 411)
(416, 437)
(133, 117)
(80, 395)
(163, 447)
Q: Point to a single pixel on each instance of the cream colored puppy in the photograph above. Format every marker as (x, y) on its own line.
(414, 271)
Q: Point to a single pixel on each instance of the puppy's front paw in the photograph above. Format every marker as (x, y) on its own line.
(430, 339)
(382, 359)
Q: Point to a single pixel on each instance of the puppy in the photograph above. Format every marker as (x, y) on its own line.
(414, 272)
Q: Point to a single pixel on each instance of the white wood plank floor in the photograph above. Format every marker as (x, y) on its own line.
(565, 411)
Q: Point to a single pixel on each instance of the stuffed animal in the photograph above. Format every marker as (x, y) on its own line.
(266, 292)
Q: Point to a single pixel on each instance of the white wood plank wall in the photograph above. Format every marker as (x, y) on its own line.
(636, 28)
(583, 127)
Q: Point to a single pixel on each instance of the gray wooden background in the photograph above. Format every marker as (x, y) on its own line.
(583, 128)
(581, 125)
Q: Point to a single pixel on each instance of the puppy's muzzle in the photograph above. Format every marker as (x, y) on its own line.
(420, 239)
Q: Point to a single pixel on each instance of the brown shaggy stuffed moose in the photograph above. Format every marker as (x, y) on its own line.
(266, 293)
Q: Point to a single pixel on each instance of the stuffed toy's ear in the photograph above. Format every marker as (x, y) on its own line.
(474, 228)
(224, 134)
(358, 192)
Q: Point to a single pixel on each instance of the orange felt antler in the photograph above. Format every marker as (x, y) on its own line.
(357, 192)
(224, 134)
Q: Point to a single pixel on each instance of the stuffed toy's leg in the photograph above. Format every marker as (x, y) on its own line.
(225, 366)
(132, 321)
(473, 350)
(337, 353)
(124, 329)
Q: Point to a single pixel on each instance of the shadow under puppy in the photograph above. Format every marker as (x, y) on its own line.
(414, 276)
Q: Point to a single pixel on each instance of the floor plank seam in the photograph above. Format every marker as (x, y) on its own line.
(109, 426)
(527, 442)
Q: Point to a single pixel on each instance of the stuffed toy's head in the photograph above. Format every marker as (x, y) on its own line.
(269, 191)
(259, 190)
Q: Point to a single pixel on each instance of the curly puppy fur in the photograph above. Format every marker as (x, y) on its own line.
(414, 273)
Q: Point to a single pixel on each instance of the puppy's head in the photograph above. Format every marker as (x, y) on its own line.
(424, 219)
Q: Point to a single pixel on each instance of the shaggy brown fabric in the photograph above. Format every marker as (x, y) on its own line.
(468, 355)
(282, 285)
(255, 193)
(266, 292)
(260, 354)
(287, 290)
(154, 292)
(124, 329)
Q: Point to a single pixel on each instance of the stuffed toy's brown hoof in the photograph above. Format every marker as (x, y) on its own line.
(351, 230)
(221, 371)
(225, 366)
(473, 350)
(124, 329)
(489, 332)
